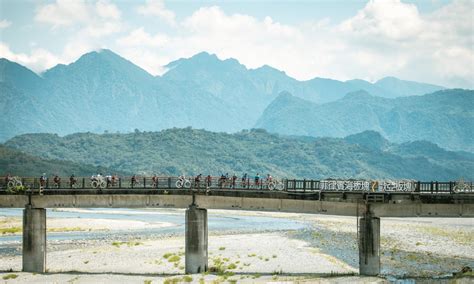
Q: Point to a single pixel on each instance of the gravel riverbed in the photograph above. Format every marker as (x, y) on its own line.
(324, 250)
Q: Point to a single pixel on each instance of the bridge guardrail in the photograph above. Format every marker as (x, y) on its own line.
(158, 182)
(380, 186)
(291, 185)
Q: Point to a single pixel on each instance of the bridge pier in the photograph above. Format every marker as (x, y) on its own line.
(369, 245)
(196, 240)
(34, 239)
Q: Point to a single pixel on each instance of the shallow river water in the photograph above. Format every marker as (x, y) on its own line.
(217, 222)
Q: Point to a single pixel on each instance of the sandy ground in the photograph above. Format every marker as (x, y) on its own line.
(85, 224)
(410, 247)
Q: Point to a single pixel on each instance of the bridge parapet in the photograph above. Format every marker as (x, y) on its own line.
(216, 183)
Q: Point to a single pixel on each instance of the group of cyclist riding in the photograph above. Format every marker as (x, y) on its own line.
(226, 181)
(101, 181)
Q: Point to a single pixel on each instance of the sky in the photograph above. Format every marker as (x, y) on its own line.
(428, 41)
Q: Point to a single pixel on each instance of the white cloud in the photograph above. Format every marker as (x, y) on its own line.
(5, 24)
(106, 10)
(38, 60)
(389, 19)
(429, 47)
(383, 38)
(100, 29)
(148, 59)
(89, 19)
(139, 37)
(254, 42)
(157, 8)
(142, 49)
(78, 46)
(63, 13)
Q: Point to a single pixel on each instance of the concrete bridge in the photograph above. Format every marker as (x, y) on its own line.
(368, 206)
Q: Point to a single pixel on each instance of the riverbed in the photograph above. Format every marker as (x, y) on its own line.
(128, 245)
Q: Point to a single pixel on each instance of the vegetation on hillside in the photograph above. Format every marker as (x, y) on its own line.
(20, 164)
(445, 117)
(191, 151)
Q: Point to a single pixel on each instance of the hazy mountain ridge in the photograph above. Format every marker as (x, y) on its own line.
(405, 88)
(444, 117)
(103, 91)
(191, 151)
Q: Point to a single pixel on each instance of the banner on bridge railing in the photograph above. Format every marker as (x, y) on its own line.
(364, 185)
(394, 186)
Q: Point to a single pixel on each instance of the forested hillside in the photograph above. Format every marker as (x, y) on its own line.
(445, 117)
(191, 151)
(17, 163)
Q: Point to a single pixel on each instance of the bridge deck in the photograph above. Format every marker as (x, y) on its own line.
(398, 204)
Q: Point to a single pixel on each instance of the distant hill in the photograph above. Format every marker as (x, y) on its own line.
(191, 151)
(401, 88)
(445, 118)
(102, 91)
(372, 140)
(20, 164)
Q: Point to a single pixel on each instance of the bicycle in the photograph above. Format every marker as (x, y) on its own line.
(98, 182)
(14, 182)
(183, 182)
(275, 184)
(462, 186)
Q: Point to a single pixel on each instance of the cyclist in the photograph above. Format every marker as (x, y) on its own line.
(114, 179)
(8, 178)
(221, 181)
(244, 180)
(208, 181)
(269, 178)
(109, 180)
(268, 181)
(257, 179)
(57, 181)
(72, 181)
(234, 178)
(197, 180)
(43, 180)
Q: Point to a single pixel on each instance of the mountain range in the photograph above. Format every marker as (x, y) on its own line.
(191, 151)
(445, 117)
(102, 91)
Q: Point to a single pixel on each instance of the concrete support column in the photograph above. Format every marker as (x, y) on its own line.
(34, 239)
(369, 245)
(196, 240)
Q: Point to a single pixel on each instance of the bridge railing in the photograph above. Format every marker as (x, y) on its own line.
(292, 185)
(379, 186)
(445, 187)
(159, 182)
